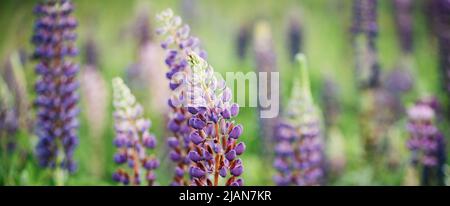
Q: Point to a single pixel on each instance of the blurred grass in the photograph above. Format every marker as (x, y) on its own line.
(326, 44)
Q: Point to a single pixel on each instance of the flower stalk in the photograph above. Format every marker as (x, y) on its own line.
(299, 143)
(56, 88)
(133, 140)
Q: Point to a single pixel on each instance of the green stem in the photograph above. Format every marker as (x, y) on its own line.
(59, 176)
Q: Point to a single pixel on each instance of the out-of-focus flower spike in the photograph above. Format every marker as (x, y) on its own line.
(299, 145)
(404, 23)
(133, 141)
(243, 38)
(426, 143)
(295, 37)
(365, 32)
(54, 37)
(266, 61)
(95, 97)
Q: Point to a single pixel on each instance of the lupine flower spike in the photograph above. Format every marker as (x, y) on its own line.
(9, 124)
(133, 140)
(266, 61)
(365, 32)
(440, 12)
(401, 79)
(214, 133)
(14, 76)
(299, 143)
(14, 114)
(426, 143)
(373, 98)
(242, 40)
(146, 75)
(177, 42)
(403, 20)
(330, 99)
(14, 119)
(96, 100)
(336, 158)
(295, 37)
(56, 87)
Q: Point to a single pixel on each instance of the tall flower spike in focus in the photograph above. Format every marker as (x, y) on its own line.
(177, 42)
(133, 140)
(299, 142)
(214, 132)
(427, 143)
(56, 86)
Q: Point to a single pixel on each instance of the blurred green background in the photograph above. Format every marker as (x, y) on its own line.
(326, 43)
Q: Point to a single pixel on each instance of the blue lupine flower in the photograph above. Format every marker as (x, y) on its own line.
(177, 42)
(56, 87)
(299, 143)
(214, 134)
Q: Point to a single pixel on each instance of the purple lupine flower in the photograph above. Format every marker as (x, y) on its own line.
(95, 95)
(9, 123)
(336, 159)
(299, 143)
(441, 20)
(91, 53)
(403, 20)
(426, 142)
(14, 76)
(266, 61)
(397, 82)
(145, 75)
(94, 90)
(133, 140)
(364, 36)
(143, 31)
(57, 98)
(330, 99)
(137, 74)
(177, 42)
(365, 31)
(242, 41)
(295, 37)
(215, 136)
